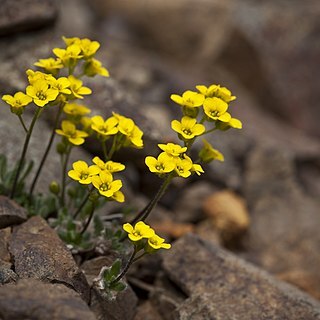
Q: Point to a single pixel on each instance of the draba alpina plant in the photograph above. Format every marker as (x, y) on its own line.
(83, 187)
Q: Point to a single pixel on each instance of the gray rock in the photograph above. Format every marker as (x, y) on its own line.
(22, 15)
(222, 286)
(7, 275)
(146, 311)
(5, 235)
(287, 53)
(32, 299)
(11, 213)
(284, 234)
(39, 253)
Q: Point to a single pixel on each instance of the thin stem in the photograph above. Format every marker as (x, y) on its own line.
(23, 124)
(24, 150)
(35, 179)
(64, 175)
(89, 219)
(125, 269)
(113, 148)
(211, 130)
(141, 255)
(146, 211)
(82, 204)
(104, 149)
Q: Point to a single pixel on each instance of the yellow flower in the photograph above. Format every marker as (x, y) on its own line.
(94, 67)
(125, 125)
(34, 76)
(172, 149)
(232, 123)
(73, 135)
(105, 128)
(110, 166)
(41, 93)
(61, 84)
(216, 109)
(156, 242)
(17, 102)
(75, 109)
(188, 128)
(77, 89)
(82, 172)
(118, 196)
(88, 47)
(105, 184)
(188, 99)
(139, 231)
(70, 55)
(208, 153)
(135, 137)
(86, 123)
(70, 41)
(216, 91)
(197, 169)
(183, 167)
(50, 65)
(163, 164)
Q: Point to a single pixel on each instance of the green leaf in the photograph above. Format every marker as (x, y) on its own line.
(119, 286)
(115, 268)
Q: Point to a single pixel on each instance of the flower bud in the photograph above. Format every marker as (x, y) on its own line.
(54, 187)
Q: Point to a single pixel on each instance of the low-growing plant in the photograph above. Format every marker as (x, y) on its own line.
(71, 204)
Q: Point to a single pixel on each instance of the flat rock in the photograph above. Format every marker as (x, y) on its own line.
(39, 253)
(11, 213)
(32, 299)
(284, 234)
(222, 286)
(22, 15)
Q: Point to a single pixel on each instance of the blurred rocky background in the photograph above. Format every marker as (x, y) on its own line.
(262, 203)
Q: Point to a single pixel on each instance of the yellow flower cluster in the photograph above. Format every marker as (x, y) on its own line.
(173, 159)
(143, 231)
(100, 175)
(128, 133)
(215, 103)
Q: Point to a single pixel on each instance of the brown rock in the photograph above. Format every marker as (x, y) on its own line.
(207, 230)
(284, 233)
(146, 311)
(5, 235)
(39, 253)
(172, 229)
(228, 212)
(17, 15)
(32, 299)
(222, 286)
(162, 25)
(10, 212)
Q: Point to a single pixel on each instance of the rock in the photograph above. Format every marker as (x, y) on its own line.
(123, 307)
(32, 299)
(161, 25)
(17, 16)
(207, 231)
(146, 311)
(39, 253)
(5, 235)
(6, 274)
(222, 286)
(287, 53)
(228, 212)
(284, 233)
(10, 212)
(188, 207)
(172, 229)
(125, 303)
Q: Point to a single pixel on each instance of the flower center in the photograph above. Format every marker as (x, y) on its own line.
(104, 187)
(214, 113)
(159, 167)
(187, 132)
(84, 175)
(41, 96)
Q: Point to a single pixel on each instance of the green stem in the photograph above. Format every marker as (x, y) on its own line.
(82, 204)
(125, 269)
(89, 219)
(24, 150)
(23, 124)
(64, 175)
(211, 130)
(104, 149)
(35, 179)
(113, 148)
(146, 211)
